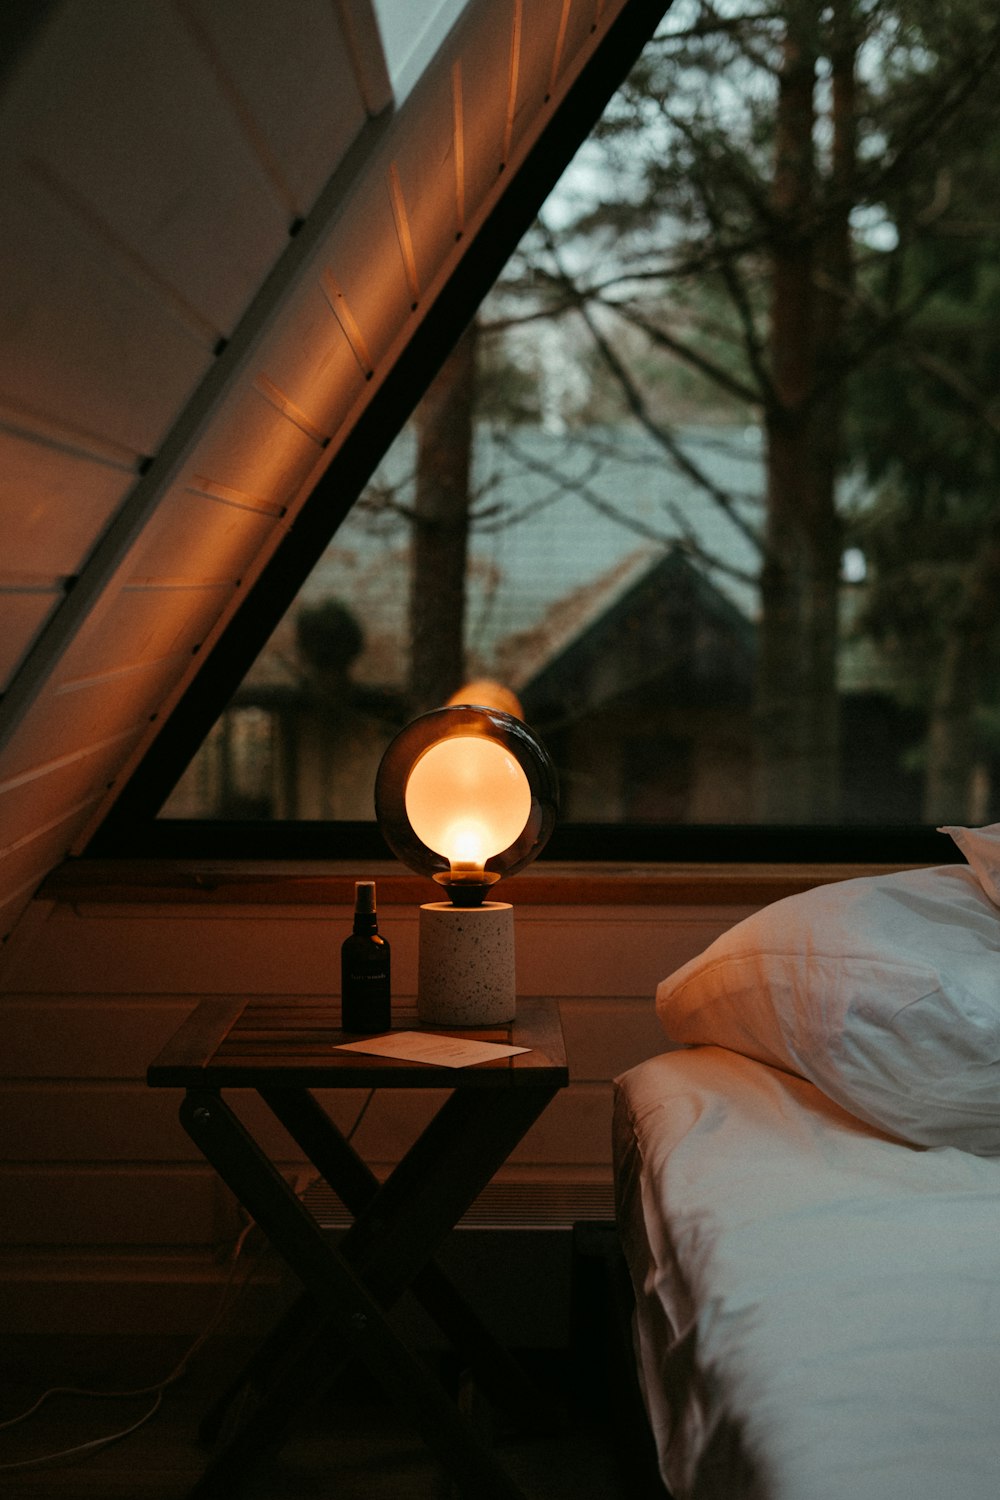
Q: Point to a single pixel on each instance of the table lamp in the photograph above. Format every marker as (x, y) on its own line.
(466, 794)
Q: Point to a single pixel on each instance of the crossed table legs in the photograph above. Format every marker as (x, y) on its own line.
(398, 1226)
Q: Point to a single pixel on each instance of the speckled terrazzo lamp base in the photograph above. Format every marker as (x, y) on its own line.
(466, 964)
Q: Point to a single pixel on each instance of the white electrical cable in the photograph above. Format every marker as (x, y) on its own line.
(157, 1390)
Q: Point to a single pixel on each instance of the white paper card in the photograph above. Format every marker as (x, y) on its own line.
(431, 1047)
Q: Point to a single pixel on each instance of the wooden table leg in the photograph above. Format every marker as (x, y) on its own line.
(497, 1373)
(385, 1255)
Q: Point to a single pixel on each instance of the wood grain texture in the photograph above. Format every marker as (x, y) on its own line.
(263, 1044)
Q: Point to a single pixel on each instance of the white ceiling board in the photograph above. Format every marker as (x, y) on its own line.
(24, 610)
(143, 626)
(201, 535)
(368, 267)
(422, 176)
(484, 63)
(80, 340)
(78, 718)
(296, 68)
(350, 320)
(253, 454)
(26, 801)
(53, 503)
(541, 61)
(316, 362)
(149, 148)
(24, 866)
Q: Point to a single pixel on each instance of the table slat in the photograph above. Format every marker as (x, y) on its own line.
(250, 1043)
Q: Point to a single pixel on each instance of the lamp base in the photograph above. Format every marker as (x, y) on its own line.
(466, 964)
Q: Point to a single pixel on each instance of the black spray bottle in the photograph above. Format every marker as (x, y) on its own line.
(364, 968)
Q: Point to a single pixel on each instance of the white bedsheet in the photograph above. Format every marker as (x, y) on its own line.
(818, 1306)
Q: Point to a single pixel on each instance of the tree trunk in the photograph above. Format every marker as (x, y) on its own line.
(948, 780)
(440, 529)
(949, 795)
(797, 716)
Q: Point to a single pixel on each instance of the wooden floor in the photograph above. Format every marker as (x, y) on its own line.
(351, 1446)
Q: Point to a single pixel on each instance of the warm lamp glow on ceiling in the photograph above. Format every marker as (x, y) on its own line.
(467, 798)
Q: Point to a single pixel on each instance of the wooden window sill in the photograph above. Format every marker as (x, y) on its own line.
(331, 883)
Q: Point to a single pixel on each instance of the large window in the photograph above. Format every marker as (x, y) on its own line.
(710, 483)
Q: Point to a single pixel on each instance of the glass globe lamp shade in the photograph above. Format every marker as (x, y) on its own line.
(466, 795)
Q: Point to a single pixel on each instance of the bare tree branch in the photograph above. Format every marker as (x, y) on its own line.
(637, 405)
(690, 355)
(685, 539)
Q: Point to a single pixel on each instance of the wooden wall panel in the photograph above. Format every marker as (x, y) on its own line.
(163, 951)
(606, 1036)
(95, 1164)
(609, 952)
(114, 1210)
(105, 1122)
(117, 1121)
(84, 1037)
(147, 1292)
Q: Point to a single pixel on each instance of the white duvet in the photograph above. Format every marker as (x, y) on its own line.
(818, 1306)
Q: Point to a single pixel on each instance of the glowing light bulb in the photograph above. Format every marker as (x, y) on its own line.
(467, 798)
(466, 795)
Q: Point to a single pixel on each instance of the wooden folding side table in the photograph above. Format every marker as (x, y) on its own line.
(283, 1051)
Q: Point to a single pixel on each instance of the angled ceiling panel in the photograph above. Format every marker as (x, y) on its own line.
(55, 498)
(168, 338)
(151, 148)
(68, 324)
(295, 51)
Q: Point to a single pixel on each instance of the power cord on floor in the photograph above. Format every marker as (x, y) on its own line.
(83, 1450)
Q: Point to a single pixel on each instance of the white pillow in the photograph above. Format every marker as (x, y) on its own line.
(884, 992)
(981, 847)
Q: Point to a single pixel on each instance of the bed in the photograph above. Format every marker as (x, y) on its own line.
(809, 1197)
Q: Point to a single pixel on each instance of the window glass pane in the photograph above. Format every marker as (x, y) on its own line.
(710, 485)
